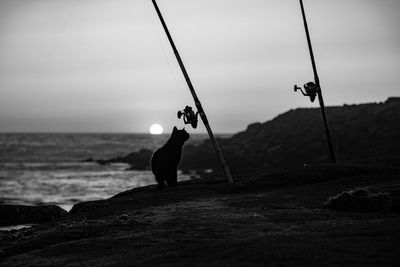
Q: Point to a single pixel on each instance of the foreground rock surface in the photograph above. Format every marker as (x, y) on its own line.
(276, 218)
(20, 214)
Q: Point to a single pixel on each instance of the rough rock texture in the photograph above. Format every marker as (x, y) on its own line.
(19, 214)
(274, 219)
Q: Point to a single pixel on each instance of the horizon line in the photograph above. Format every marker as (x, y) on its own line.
(83, 132)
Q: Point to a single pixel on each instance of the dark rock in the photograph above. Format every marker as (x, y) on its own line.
(359, 200)
(138, 160)
(123, 217)
(19, 214)
(393, 100)
(396, 200)
(362, 133)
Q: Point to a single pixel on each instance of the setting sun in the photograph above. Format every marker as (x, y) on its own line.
(156, 129)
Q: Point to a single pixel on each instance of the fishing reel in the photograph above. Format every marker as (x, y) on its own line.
(189, 117)
(311, 90)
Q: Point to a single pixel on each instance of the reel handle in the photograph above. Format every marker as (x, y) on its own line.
(180, 113)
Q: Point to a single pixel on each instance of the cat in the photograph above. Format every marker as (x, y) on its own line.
(165, 160)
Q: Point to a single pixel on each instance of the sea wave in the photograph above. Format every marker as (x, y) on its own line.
(50, 169)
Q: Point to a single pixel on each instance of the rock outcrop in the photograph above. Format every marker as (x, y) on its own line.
(137, 160)
(20, 214)
(362, 133)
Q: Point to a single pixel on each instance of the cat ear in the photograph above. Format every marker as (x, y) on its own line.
(175, 129)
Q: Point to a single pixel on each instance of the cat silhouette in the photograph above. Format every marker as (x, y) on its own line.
(165, 160)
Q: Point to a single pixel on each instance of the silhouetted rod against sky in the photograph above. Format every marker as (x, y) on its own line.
(313, 89)
(197, 102)
(106, 66)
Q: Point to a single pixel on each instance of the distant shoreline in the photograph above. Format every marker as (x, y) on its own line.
(111, 133)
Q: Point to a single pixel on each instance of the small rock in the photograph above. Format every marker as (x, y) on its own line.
(123, 217)
(359, 200)
(20, 214)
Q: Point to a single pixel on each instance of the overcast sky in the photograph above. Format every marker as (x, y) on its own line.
(106, 65)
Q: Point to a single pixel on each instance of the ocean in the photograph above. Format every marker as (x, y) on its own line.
(38, 168)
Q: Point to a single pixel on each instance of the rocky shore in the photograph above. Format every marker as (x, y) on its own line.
(277, 218)
(364, 133)
(284, 209)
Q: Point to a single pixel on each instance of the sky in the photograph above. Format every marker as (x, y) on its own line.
(106, 66)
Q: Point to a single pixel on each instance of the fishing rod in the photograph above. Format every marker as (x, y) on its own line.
(313, 89)
(197, 102)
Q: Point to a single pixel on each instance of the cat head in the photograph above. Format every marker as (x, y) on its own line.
(180, 135)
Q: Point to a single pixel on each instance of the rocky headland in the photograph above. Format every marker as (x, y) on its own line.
(364, 133)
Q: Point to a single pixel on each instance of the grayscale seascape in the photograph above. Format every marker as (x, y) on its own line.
(51, 169)
(199, 133)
